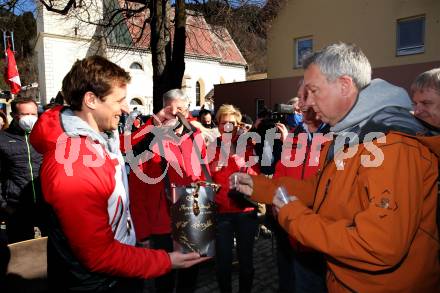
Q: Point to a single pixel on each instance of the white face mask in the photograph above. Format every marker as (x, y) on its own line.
(27, 122)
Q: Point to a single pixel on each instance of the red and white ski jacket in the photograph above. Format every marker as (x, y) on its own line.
(84, 181)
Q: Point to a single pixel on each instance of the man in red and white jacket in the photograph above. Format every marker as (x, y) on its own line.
(91, 236)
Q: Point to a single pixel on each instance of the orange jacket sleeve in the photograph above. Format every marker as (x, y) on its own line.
(264, 188)
(379, 237)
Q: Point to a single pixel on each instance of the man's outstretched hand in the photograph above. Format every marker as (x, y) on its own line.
(165, 114)
(241, 182)
(181, 261)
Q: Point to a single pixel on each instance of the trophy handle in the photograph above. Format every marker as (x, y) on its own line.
(174, 194)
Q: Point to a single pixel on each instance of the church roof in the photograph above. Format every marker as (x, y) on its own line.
(202, 39)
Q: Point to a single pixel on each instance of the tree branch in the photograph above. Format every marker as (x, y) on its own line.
(64, 11)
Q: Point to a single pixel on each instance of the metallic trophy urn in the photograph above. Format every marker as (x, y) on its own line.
(193, 217)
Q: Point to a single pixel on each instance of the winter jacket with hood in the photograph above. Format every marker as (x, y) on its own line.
(84, 184)
(373, 213)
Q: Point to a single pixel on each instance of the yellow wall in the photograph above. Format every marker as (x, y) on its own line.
(371, 24)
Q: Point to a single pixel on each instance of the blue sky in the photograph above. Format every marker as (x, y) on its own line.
(22, 6)
(29, 5)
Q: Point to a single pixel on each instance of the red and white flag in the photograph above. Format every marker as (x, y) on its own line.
(11, 73)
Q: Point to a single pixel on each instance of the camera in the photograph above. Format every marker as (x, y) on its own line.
(284, 109)
(277, 115)
(269, 119)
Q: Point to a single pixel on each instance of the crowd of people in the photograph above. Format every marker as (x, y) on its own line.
(358, 159)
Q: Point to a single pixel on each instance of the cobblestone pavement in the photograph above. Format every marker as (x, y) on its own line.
(265, 278)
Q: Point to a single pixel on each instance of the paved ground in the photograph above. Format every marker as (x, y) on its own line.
(266, 275)
(265, 279)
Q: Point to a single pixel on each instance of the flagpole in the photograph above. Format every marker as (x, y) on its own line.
(11, 75)
(5, 44)
(4, 40)
(12, 40)
(8, 107)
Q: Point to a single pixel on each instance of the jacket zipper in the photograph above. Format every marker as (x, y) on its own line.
(325, 195)
(320, 172)
(305, 161)
(29, 155)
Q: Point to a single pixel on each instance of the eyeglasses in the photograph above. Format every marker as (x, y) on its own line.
(183, 109)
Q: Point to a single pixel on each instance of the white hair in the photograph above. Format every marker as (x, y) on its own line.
(340, 59)
(175, 94)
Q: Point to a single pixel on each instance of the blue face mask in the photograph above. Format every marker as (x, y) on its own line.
(27, 122)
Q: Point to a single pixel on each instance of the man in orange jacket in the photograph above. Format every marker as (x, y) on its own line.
(371, 208)
(425, 95)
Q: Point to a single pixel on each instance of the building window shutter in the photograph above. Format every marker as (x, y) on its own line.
(410, 36)
(303, 46)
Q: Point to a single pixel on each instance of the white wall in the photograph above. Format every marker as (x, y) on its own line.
(65, 25)
(233, 73)
(56, 56)
(141, 85)
(58, 47)
(210, 72)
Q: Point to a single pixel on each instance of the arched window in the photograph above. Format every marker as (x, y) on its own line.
(136, 65)
(197, 93)
(135, 102)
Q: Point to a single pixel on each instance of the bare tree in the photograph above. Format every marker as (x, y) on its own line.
(164, 27)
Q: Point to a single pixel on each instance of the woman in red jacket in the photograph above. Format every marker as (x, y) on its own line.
(236, 219)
